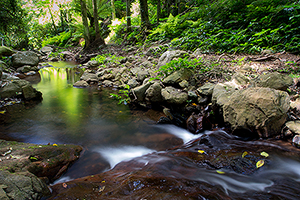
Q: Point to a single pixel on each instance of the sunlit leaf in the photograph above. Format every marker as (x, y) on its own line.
(201, 151)
(265, 154)
(220, 172)
(2, 112)
(260, 163)
(244, 154)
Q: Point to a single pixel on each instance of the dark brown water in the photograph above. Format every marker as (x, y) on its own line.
(111, 133)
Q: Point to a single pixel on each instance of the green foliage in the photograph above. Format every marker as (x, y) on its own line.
(59, 40)
(108, 59)
(197, 65)
(235, 26)
(123, 96)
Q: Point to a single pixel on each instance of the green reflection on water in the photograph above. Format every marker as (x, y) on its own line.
(59, 96)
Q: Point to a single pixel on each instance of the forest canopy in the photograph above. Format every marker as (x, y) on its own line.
(234, 26)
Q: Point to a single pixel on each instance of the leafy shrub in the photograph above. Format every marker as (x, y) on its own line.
(59, 40)
(108, 59)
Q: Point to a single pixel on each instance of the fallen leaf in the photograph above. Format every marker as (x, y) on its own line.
(101, 189)
(103, 182)
(244, 154)
(265, 154)
(64, 185)
(220, 172)
(201, 151)
(194, 104)
(2, 112)
(260, 163)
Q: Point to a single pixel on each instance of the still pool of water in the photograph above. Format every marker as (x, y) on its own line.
(83, 116)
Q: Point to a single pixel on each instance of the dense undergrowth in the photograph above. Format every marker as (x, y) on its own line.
(234, 26)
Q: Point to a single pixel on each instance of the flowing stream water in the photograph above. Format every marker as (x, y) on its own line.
(111, 133)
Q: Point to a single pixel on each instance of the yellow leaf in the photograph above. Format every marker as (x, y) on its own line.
(244, 154)
(194, 104)
(220, 172)
(265, 154)
(201, 151)
(2, 112)
(260, 163)
(103, 182)
(55, 145)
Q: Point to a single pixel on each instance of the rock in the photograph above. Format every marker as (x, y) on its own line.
(138, 93)
(296, 141)
(1, 71)
(257, 110)
(5, 51)
(184, 84)
(24, 161)
(153, 93)
(142, 75)
(19, 87)
(67, 55)
(92, 63)
(25, 58)
(294, 126)
(89, 77)
(28, 92)
(221, 93)
(168, 56)
(22, 185)
(139, 73)
(147, 64)
(178, 76)
(192, 95)
(207, 89)
(81, 83)
(174, 96)
(274, 80)
(132, 83)
(240, 79)
(108, 83)
(46, 50)
(24, 69)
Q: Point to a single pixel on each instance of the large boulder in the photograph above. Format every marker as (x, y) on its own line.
(168, 56)
(257, 110)
(25, 58)
(22, 185)
(274, 80)
(174, 96)
(178, 76)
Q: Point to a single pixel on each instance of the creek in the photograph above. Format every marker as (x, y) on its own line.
(111, 133)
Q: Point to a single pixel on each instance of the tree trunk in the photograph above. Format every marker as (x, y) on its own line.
(158, 12)
(86, 34)
(113, 9)
(128, 3)
(97, 36)
(168, 6)
(144, 14)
